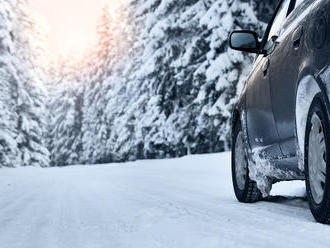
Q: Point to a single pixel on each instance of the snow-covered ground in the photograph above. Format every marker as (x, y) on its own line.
(186, 202)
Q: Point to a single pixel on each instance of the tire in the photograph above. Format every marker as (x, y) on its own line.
(245, 189)
(317, 151)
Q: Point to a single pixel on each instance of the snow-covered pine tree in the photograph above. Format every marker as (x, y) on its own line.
(183, 80)
(94, 128)
(171, 92)
(9, 152)
(21, 99)
(30, 108)
(65, 106)
(113, 37)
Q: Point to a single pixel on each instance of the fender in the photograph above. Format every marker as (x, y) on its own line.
(306, 91)
(309, 85)
(239, 115)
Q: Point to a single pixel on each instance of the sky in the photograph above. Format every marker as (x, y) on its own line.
(71, 23)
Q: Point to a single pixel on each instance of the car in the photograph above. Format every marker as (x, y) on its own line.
(281, 122)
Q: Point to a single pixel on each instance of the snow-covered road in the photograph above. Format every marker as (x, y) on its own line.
(177, 203)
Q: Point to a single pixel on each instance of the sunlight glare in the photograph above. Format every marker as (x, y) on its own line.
(71, 24)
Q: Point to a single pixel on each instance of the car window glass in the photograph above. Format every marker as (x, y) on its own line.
(298, 2)
(279, 19)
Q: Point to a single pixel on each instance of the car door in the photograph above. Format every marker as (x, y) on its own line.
(261, 125)
(284, 64)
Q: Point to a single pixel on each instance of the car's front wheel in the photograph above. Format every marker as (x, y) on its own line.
(245, 189)
(316, 161)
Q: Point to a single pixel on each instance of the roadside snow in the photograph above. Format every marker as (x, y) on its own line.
(187, 202)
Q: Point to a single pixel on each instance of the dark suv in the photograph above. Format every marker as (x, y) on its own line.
(281, 128)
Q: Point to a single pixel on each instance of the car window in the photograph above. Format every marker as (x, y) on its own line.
(298, 2)
(279, 19)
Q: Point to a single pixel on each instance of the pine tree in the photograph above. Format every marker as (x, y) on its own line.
(30, 96)
(65, 128)
(9, 152)
(21, 99)
(112, 41)
(160, 83)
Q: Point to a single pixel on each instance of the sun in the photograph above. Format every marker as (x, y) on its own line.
(77, 41)
(71, 24)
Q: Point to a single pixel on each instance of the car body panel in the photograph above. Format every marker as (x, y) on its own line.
(284, 69)
(261, 125)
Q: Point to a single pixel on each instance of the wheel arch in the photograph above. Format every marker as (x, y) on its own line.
(308, 86)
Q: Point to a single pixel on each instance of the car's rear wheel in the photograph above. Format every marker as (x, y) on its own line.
(245, 189)
(316, 161)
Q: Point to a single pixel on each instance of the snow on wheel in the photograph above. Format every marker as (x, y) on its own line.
(316, 157)
(241, 164)
(245, 189)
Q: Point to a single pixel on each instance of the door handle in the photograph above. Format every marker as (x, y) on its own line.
(265, 67)
(297, 37)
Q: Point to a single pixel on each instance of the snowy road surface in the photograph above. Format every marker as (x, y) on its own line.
(186, 202)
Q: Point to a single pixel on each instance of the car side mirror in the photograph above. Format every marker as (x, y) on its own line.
(245, 41)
